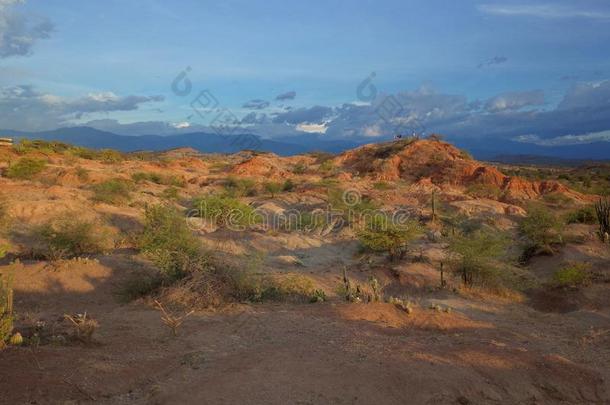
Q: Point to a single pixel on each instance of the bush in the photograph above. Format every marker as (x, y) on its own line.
(557, 199)
(140, 177)
(474, 254)
(288, 186)
(584, 215)
(225, 211)
(170, 193)
(169, 243)
(25, 168)
(383, 236)
(109, 156)
(115, 191)
(542, 228)
(299, 168)
(479, 190)
(66, 236)
(82, 173)
(382, 185)
(240, 187)
(272, 188)
(6, 308)
(572, 275)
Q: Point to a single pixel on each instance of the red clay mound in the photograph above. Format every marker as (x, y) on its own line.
(268, 165)
(432, 162)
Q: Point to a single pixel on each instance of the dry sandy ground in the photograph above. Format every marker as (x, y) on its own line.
(479, 353)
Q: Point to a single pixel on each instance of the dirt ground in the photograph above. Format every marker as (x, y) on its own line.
(332, 352)
(541, 346)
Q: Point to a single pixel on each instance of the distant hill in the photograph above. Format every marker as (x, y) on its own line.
(203, 142)
(500, 150)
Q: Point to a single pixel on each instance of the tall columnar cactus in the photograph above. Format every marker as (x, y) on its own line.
(602, 209)
(433, 205)
(6, 309)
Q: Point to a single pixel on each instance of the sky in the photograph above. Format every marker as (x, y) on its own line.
(536, 72)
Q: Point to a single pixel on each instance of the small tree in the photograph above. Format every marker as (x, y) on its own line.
(473, 255)
(272, 188)
(542, 228)
(384, 236)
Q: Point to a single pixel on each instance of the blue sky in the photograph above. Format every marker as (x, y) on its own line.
(456, 66)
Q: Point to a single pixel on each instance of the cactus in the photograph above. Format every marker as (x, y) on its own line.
(6, 309)
(602, 209)
(433, 205)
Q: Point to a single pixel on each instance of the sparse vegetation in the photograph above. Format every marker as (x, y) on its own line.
(602, 210)
(474, 256)
(67, 236)
(240, 187)
(480, 190)
(288, 186)
(225, 211)
(140, 177)
(6, 308)
(170, 244)
(380, 235)
(542, 228)
(572, 275)
(25, 168)
(272, 187)
(83, 326)
(114, 191)
(583, 215)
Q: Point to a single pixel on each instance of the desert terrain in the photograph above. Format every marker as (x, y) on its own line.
(181, 277)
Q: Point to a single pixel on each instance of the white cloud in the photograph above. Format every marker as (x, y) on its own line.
(542, 11)
(312, 128)
(25, 108)
(602, 136)
(19, 33)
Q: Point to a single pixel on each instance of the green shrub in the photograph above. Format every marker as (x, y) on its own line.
(474, 255)
(82, 173)
(542, 228)
(557, 199)
(225, 211)
(169, 243)
(272, 188)
(299, 168)
(114, 191)
(383, 236)
(140, 285)
(170, 193)
(288, 186)
(572, 275)
(109, 156)
(25, 168)
(327, 167)
(5, 217)
(140, 177)
(583, 215)
(479, 190)
(67, 236)
(6, 308)
(382, 185)
(240, 187)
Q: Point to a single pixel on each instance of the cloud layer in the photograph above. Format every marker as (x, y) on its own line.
(19, 33)
(23, 107)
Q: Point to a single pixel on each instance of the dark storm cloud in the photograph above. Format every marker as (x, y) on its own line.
(290, 95)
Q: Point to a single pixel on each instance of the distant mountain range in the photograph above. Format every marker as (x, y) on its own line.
(201, 141)
(481, 148)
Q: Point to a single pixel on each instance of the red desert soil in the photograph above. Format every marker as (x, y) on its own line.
(298, 354)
